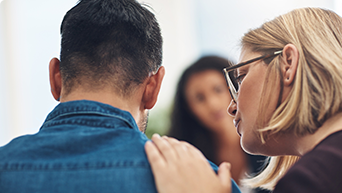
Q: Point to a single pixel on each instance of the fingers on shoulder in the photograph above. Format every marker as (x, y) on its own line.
(179, 147)
(154, 156)
(172, 150)
(166, 148)
(193, 151)
(184, 149)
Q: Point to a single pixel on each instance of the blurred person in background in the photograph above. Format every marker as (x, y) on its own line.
(199, 116)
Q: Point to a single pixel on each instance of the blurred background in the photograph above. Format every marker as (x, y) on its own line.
(29, 38)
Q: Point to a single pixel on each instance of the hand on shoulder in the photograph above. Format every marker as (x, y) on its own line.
(179, 167)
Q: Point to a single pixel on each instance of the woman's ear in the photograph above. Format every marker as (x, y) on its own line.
(152, 88)
(55, 78)
(290, 62)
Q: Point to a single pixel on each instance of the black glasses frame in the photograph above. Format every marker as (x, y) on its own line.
(232, 90)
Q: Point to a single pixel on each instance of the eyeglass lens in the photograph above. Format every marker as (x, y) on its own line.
(232, 77)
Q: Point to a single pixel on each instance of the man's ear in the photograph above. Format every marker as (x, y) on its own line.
(152, 88)
(290, 62)
(55, 78)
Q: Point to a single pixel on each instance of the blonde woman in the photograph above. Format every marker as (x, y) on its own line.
(288, 105)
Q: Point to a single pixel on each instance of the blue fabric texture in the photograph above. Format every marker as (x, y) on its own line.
(83, 146)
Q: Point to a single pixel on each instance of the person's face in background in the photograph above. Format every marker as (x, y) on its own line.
(246, 108)
(208, 98)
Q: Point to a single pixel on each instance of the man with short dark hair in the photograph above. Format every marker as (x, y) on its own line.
(108, 76)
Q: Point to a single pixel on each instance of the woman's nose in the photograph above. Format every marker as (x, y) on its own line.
(214, 103)
(232, 108)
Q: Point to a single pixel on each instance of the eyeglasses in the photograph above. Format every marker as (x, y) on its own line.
(233, 83)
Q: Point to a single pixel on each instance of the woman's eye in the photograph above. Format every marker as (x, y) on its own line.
(219, 89)
(199, 98)
(240, 78)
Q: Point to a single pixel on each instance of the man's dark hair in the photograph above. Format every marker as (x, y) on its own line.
(109, 42)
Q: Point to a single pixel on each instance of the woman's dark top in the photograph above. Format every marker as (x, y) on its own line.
(319, 170)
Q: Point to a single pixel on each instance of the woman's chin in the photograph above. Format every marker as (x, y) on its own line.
(250, 147)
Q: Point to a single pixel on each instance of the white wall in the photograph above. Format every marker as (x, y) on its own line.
(223, 22)
(29, 38)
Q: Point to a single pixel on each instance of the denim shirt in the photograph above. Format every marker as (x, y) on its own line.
(83, 146)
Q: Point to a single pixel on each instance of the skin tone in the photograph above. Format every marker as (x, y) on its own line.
(175, 173)
(208, 97)
(144, 97)
(180, 167)
(245, 111)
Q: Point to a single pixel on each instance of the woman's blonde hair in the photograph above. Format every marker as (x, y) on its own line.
(317, 87)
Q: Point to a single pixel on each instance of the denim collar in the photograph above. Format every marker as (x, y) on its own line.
(86, 107)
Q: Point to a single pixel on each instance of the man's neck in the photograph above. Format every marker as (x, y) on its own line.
(130, 103)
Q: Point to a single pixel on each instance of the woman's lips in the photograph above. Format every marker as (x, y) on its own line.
(237, 123)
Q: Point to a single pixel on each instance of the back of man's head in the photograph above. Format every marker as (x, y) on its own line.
(114, 43)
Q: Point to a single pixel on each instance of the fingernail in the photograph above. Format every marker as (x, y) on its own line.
(185, 147)
(148, 143)
(156, 135)
(228, 166)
